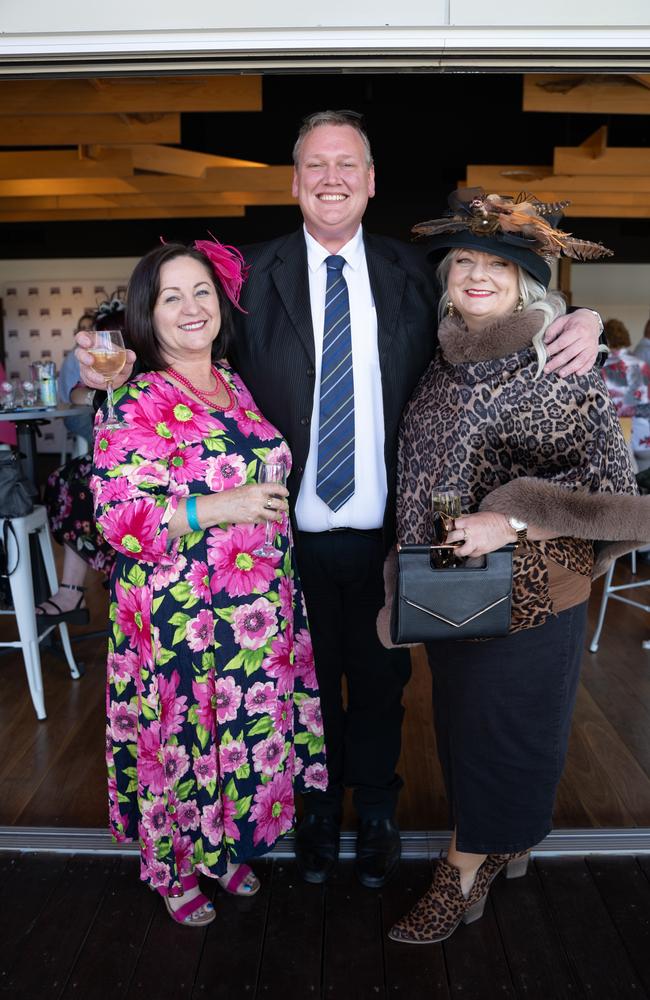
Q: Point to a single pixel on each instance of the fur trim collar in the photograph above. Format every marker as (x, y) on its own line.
(509, 335)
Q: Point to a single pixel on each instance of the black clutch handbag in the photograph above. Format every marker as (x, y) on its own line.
(453, 602)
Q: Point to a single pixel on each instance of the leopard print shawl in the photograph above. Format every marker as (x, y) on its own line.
(479, 419)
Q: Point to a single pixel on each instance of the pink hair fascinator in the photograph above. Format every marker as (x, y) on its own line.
(229, 266)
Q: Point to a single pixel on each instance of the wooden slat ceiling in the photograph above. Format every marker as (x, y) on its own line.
(119, 153)
(599, 180)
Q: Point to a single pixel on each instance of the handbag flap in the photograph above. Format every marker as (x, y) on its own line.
(457, 595)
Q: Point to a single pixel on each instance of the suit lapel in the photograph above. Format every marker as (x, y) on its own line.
(290, 276)
(387, 281)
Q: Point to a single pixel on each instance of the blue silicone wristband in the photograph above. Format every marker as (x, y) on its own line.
(190, 513)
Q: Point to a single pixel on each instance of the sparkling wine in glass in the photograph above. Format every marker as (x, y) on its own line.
(270, 472)
(109, 357)
(447, 500)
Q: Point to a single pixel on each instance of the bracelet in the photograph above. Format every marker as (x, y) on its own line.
(601, 325)
(190, 514)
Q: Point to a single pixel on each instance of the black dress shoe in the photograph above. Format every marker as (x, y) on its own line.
(378, 852)
(317, 847)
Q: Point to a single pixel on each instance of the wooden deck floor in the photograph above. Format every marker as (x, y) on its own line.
(83, 927)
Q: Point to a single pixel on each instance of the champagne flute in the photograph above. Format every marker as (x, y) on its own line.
(447, 500)
(109, 357)
(270, 472)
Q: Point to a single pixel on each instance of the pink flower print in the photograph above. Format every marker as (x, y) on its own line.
(253, 624)
(273, 809)
(147, 846)
(229, 808)
(151, 473)
(199, 581)
(186, 464)
(188, 815)
(165, 575)
(183, 850)
(158, 874)
(224, 472)
(280, 454)
(123, 666)
(228, 696)
(316, 777)
(260, 698)
(309, 715)
(286, 591)
(249, 420)
(204, 693)
(155, 818)
(199, 631)
(268, 754)
(133, 618)
(113, 490)
(151, 770)
(172, 709)
(232, 756)
(305, 667)
(110, 449)
(205, 768)
(123, 720)
(237, 569)
(133, 529)
(212, 823)
(176, 763)
(278, 663)
(282, 715)
(163, 417)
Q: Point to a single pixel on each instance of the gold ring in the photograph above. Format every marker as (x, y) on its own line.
(268, 504)
(464, 534)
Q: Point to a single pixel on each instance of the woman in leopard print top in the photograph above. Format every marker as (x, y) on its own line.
(539, 460)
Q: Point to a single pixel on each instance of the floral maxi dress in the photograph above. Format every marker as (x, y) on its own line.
(212, 699)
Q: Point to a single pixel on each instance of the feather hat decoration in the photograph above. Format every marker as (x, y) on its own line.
(514, 228)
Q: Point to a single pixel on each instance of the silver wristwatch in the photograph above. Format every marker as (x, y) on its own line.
(520, 527)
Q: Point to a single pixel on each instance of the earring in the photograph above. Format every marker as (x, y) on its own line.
(520, 305)
(450, 310)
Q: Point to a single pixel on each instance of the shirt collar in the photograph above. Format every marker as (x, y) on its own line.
(352, 251)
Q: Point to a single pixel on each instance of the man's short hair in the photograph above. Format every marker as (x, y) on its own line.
(351, 118)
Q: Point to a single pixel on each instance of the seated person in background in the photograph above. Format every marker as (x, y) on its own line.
(71, 388)
(642, 349)
(627, 376)
(70, 509)
(7, 430)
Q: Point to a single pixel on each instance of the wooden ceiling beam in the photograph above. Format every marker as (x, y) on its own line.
(129, 95)
(75, 130)
(596, 94)
(497, 180)
(103, 214)
(65, 163)
(172, 160)
(596, 143)
(616, 160)
(230, 198)
(219, 180)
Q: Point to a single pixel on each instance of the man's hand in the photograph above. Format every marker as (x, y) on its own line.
(572, 343)
(89, 375)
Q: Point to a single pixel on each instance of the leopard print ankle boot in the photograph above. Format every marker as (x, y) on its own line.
(443, 907)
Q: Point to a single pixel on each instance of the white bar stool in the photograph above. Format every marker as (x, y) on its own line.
(614, 592)
(22, 593)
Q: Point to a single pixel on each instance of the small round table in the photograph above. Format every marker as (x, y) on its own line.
(26, 421)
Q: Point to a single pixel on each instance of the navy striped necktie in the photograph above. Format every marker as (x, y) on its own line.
(335, 473)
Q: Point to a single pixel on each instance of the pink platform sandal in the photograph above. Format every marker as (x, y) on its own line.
(197, 912)
(239, 880)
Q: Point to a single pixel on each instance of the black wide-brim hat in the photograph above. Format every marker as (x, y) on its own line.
(506, 246)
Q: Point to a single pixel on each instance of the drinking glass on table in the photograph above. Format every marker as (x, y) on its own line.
(445, 506)
(270, 472)
(109, 356)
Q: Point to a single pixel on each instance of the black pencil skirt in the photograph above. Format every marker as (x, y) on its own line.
(502, 711)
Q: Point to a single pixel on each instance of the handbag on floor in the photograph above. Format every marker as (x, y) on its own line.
(15, 500)
(464, 601)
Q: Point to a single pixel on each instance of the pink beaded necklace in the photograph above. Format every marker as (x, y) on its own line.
(220, 380)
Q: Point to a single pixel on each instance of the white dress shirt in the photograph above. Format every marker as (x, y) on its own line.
(365, 508)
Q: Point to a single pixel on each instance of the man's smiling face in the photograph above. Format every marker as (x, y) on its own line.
(332, 182)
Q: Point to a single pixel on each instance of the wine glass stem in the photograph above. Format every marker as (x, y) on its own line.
(109, 392)
(267, 534)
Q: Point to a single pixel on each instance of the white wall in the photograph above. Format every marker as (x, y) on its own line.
(617, 291)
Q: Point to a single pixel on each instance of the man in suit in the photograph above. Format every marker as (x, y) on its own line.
(341, 547)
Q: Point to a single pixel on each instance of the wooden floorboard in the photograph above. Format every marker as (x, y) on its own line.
(86, 928)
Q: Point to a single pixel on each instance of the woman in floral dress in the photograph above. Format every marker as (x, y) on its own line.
(212, 701)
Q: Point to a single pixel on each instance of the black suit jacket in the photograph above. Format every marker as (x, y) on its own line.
(274, 350)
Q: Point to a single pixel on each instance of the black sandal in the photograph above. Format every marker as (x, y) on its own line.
(75, 616)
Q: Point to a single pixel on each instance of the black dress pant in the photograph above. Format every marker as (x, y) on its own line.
(343, 584)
